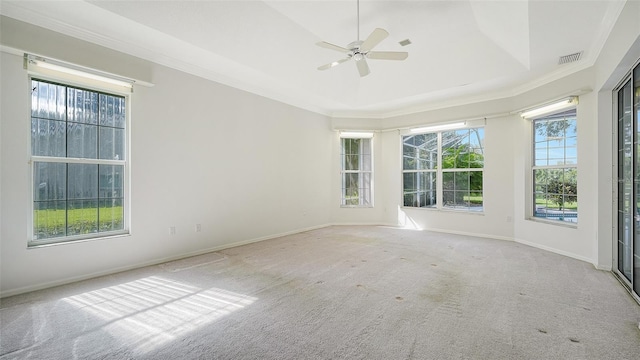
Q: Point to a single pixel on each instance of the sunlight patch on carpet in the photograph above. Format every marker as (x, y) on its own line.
(150, 312)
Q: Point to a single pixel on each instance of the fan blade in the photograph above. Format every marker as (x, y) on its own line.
(363, 68)
(374, 39)
(332, 64)
(388, 55)
(329, 46)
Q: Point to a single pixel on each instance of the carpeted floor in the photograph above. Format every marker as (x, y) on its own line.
(336, 293)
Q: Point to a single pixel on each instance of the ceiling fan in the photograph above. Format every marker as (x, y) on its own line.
(361, 50)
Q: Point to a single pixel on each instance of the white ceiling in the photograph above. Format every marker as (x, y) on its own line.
(461, 51)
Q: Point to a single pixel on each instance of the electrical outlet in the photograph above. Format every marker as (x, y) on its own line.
(172, 230)
(198, 227)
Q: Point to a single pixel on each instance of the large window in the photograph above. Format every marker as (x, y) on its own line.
(419, 169)
(444, 169)
(356, 172)
(78, 153)
(555, 172)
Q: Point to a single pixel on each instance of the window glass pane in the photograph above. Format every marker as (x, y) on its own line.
(112, 111)
(461, 180)
(476, 181)
(427, 181)
(571, 155)
(82, 212)
(419, 189)
(476, 159)
(82, 217)
(111, 143)
(449, 158)
(448, 198)
(110, 181)
(448, 181)
(409, 182)
(111, 214)
(82, 141)
(556, 194)
(476, 138)
(352, 162)
(49, 219)
(83, 106)
(365, 191)
(410, 199)
(48, 137)
(475, 200)
(350, 190)
(420, 151)
(48, 101)
(83, 181)
(50, 181)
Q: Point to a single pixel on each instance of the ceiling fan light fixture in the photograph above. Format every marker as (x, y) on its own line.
(359, 50)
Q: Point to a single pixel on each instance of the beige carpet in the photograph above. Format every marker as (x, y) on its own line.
(336, 293)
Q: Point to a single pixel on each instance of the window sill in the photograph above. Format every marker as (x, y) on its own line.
(356, 206)
(554, 222)
(43, 244)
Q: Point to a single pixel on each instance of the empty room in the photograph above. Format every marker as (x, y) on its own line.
(353, 179)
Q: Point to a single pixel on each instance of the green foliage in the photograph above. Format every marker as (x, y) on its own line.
(560, 186)
(464, 183)
(53, 222)
(461, 157)
(557, 128)
(558, 190)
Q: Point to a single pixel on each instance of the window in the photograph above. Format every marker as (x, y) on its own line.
(356, 172)
(555, 172)
(420, 163)
(444, 170)
(78, 157)
(462, 169)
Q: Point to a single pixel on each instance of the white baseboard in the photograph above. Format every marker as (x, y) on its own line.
(364, 224)
(465, 233)
(603, 267)
(45, 285)
(556, 251)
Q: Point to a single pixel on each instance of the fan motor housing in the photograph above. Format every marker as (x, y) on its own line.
(355, 46)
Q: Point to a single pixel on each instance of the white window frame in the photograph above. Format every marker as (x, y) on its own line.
(76, 81)
(532, 206)
(439, 171)
(363, 200)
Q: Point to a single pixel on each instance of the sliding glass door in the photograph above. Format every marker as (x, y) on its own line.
(628, 186)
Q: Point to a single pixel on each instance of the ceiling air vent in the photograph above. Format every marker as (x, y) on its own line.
(569, 58)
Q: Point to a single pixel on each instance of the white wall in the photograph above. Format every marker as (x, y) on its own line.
(617, 57)
(243, 166)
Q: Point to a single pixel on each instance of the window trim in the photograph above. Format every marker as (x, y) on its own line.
(530, 202)
(438, 170)
(72, 81)
(343, 172)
